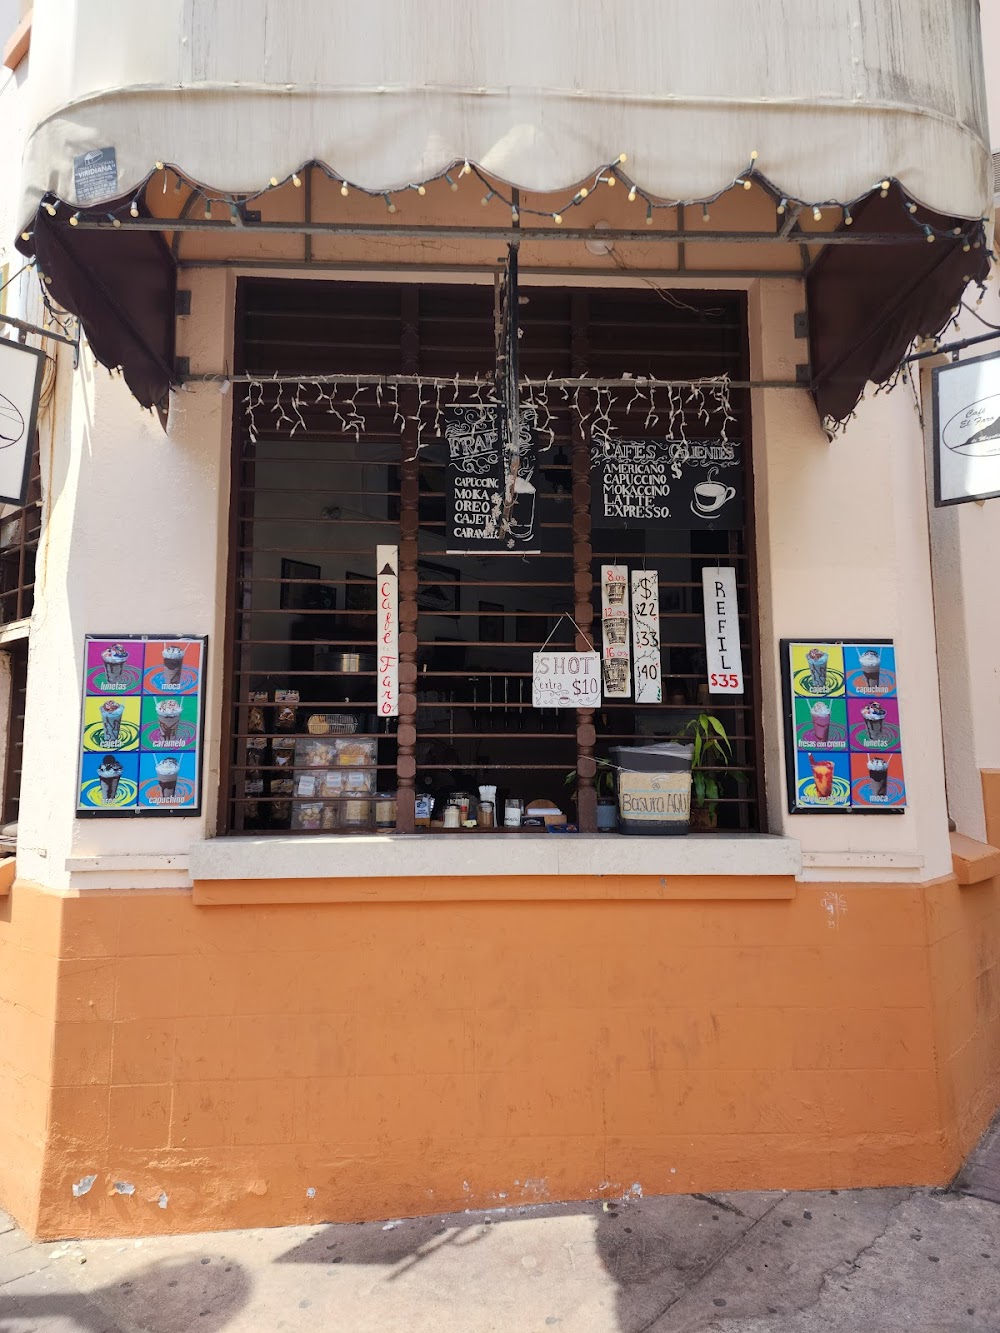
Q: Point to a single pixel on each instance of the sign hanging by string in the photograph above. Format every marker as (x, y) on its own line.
(615, 630)
(387, 632)
(686, 485)
(646, 636)
(565, 678)
(20, 385)
(492, 486)
(722, 631)
(967, 430)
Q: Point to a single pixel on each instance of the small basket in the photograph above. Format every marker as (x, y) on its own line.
(332, 724)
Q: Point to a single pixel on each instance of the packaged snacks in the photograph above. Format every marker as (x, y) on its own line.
(355, 752)
(285, 710)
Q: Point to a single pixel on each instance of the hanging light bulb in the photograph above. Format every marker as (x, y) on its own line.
(911, 208)
(390, 206)
(452, 183)
(884, 188)
(208, 209)
(928, 234)
(649, 215)
(115, 222)
(50, 208)
(73, 222)
(612, 178)
(466, 169)
(296, 180)
(514, 214)
(631, 195)
(343, 189)
(848, 220)
(748, 185)
(705, 215)
(817, 213)
(487, 197)
(557, 219)
(273, 182)
(622, 157)
(782, 206)
(234, 215)
(134, 208)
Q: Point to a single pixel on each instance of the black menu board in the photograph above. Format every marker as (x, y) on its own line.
(685, 484)
(480, 458)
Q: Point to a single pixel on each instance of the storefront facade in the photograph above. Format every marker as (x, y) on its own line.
(298, 994)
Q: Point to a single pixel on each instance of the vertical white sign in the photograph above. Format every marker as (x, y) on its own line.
(722, 631)
(20, 383)
(617, 663)
(646, 636)
(387, 631)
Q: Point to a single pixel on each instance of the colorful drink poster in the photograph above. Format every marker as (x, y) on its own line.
(142, 725)
(843, 736)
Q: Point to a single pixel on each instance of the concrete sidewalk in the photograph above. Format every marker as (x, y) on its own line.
(865, 1261)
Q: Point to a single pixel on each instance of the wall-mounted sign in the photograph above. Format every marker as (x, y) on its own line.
(95, 175)
(967, 430)
(616, 632)
(20, 383)
(843, 743)
(143, 722)
(565, 679)
(387, 629)
(646, 636)
(683, 484)
(722, 631)
(492, 497)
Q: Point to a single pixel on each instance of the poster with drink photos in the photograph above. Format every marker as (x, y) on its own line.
(843, 741)
(142, 725)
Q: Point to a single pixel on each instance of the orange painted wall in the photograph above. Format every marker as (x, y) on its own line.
(417, 1056)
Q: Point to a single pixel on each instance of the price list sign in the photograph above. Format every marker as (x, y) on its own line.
(843, 740)
(646, 636)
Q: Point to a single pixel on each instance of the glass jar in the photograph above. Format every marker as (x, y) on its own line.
(385, 809)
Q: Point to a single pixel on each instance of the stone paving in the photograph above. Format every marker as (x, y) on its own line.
(859, 1261)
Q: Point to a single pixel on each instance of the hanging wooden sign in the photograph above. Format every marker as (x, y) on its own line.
(646, 636)
(617, 654)
(682, 484)
(387, 629)
(722, 631)
(492, 487)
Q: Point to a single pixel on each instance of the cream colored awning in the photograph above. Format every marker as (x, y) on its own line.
(833, 94)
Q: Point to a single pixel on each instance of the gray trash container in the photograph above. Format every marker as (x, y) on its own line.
(653, 783)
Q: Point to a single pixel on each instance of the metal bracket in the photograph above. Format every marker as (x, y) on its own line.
(803, 373)
(800, 324)
(182, 301)
(23, 327)
(182, 367)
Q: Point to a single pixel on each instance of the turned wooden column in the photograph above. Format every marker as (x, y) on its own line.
(409, 521)
(583, 612)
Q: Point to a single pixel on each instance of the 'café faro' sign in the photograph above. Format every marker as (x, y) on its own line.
(688, 484)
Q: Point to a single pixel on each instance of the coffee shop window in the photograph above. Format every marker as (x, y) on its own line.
(326, 473)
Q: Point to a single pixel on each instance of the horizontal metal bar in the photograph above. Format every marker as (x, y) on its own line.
(470, 381)
(539, 270)
(423, 231)
(42, 333)
(952, 347)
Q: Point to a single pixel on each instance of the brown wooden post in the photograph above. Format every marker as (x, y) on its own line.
(409, 521)
(583, 612)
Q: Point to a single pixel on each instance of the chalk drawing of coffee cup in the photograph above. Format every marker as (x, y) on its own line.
(710, 495)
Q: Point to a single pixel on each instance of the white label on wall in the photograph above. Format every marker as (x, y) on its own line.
(615, 630)
(387, 631)
(646, 636)
(565, 679)
(722, 631)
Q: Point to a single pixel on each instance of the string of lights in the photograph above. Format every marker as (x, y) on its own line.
(611, 175)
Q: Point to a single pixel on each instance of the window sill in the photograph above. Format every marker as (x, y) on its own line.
(393, 867)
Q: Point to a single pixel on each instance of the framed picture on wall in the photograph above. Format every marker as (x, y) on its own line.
(296, 596)
(492, 624)
(437, 592)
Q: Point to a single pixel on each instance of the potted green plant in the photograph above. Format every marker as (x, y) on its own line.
(607, 801)
(711, 763)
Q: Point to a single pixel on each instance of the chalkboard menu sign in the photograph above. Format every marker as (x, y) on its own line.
(481, 516)
(683, 484)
